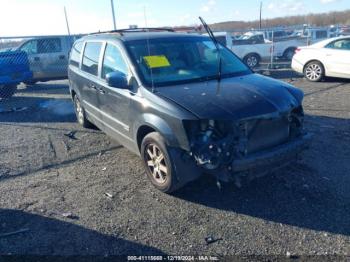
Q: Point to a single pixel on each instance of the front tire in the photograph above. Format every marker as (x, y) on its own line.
(80, 113)
(252, 60)
(7, 91)
(314, 71)
(158, 163)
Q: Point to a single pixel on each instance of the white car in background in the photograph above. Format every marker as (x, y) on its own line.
(330, 57)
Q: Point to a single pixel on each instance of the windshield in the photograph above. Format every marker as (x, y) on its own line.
(171, 61)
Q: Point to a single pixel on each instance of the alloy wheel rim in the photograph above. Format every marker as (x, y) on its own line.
(252, 61)
(156, 164)
(313, 72)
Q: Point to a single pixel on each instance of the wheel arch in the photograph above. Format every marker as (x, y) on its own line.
(252, 53)
(143, 131)
(314, 60)
(289, 48)
(73, 93)
(153, 123)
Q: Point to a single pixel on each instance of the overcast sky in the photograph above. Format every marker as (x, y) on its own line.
(40, 17)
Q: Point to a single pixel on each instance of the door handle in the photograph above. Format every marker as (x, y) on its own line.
(101, 90)
(36, 58)
(62, 57)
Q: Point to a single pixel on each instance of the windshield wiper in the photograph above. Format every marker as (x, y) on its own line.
(213, 39)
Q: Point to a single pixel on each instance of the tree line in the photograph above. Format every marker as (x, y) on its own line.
(323, 19)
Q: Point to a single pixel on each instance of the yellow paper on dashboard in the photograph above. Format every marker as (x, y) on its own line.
(157, 61)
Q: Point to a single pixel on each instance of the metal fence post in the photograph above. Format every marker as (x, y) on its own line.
(272, 49)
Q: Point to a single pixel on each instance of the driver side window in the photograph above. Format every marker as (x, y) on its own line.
(113, 61)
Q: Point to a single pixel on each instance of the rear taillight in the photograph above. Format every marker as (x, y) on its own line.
(297, 50)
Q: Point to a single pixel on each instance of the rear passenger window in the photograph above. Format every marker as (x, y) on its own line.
(75, 54)
(91, 57)
(113, 61)
(50, 45)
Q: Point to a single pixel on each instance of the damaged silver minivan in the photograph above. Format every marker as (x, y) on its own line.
(186, 105)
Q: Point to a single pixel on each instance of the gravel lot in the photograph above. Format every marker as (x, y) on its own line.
(303, 209)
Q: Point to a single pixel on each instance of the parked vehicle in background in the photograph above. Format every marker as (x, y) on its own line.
(250, 38)
(277, 35)
(330, 57)
(164, 96)
(14, 68)
(314, 35)
(344, 31)
(48, 57)
(253, 48)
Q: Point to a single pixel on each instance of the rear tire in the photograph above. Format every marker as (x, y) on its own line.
(7, 91)
(251, 60)
(314, 71)
(158, 163)
(80, 113)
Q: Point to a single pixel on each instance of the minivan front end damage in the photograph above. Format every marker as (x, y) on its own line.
(248, 147)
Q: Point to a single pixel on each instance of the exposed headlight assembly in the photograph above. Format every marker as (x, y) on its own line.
(212, 143)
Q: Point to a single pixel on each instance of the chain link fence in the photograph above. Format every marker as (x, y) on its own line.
(27, 67)
(28, 60)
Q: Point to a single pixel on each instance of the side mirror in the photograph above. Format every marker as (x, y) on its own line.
(117, 79)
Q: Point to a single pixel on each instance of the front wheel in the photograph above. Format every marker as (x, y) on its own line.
(252, 60)
(7, 91)
(158, 164)
(314, 71)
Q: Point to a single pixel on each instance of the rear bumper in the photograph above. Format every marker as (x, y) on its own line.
(297, 66)
(266, 161)
(15, 78)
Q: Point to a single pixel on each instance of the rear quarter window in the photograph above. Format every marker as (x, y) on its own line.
(91, 57)
(75, 54)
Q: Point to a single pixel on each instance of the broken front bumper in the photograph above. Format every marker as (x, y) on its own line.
(266, 161)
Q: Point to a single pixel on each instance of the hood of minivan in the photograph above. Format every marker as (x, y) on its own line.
(237, 97)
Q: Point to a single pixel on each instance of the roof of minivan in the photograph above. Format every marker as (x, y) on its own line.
(131, 36)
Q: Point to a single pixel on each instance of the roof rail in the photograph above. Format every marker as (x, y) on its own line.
(135, 30)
